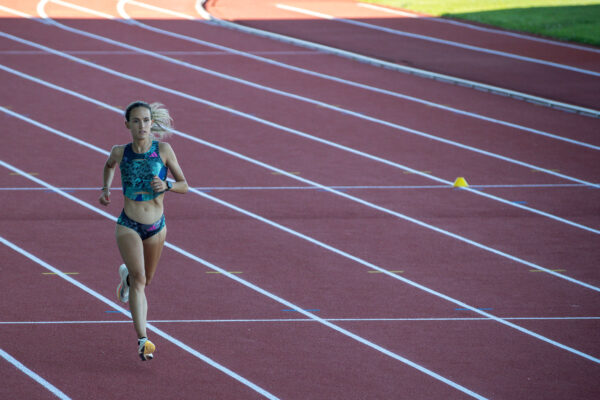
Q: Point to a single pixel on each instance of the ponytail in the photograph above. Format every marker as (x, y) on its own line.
(162, 125)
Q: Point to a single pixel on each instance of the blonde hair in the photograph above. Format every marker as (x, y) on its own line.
(162, 125)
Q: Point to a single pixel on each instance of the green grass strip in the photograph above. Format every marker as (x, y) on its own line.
(569, 20)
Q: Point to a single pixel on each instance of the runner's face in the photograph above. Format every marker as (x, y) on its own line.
(139, 123)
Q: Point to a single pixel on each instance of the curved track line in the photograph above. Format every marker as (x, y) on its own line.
(250, 285)
(123, 13)
(437, 40)
(112, 304)
(480, 28)
(17, 364)
(294, 131)
(294, 233)
(292, 176)
(400, 68)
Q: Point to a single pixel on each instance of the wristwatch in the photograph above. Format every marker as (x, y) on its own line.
(169, 186)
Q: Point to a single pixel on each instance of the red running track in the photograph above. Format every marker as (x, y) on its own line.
(417, 42)
(244, 330)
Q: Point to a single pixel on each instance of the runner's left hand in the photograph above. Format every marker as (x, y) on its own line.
(158, 185)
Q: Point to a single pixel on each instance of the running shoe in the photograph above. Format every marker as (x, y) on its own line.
(123, 288)
(146, 349)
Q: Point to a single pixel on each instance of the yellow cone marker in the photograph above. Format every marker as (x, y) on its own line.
(461, 182)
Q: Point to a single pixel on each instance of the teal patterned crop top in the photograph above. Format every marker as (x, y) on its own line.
(138, 170)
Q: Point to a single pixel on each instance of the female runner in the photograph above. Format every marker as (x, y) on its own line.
(141, 228)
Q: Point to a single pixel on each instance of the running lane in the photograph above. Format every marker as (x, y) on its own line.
(414, 117)
(294, 275)
(533, 78)
(327, 170)
(305, 266)
(290, 57)
(268, 257)
(325, 167)
(584, 167)
(509, 174)
(273, 355)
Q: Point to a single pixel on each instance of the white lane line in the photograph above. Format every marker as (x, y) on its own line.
(339, 109)
(231, 276)
(155, 8)
(441, 41)
(557, 105)
(47, 385)
(16, 12)
(260, 320)
(479, 28)
(311, 183)
(112, 304)
(393, 11)
(305, 135)
(320, 244)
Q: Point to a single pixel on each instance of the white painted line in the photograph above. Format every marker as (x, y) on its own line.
(441, 41)
(112, 304)
(481, 28)
(42, 13)
(320, 244)
(311, 183)
(401, 68)
(305, 135)
(391, 11)
(350, 83)
(16, 12)
(231, 276)
(47, 385)
(261, 320)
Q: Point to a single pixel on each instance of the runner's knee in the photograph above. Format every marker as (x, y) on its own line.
(137, 281)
